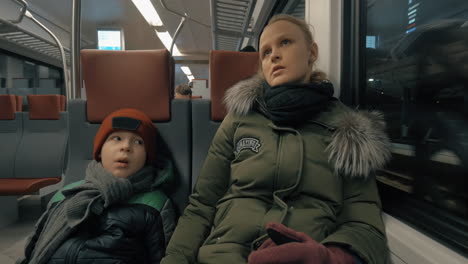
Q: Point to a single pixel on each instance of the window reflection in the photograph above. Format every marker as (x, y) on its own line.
(22, 76)
(417, 74)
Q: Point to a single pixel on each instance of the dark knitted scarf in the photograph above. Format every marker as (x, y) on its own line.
(291, 104)
(100, 190)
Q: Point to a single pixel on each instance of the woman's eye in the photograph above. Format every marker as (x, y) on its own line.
(116, 138)
(139, 142)
(266, 53)
(285, 42)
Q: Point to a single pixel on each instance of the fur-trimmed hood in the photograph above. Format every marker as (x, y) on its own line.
(359, 145)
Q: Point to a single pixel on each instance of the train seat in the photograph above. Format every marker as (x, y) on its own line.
(11, 129)
(40, 157)
(226, 69)
(130, 79)
(19, 103)
(16, 133)
(24, 92)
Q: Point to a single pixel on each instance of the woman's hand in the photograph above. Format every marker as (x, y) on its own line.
(305, 251)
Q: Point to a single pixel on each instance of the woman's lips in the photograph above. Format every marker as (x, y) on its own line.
(277, 71)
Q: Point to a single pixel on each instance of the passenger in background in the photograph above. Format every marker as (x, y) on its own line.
(289, 177)
(183, 91)
(248, 49)
(114, 215)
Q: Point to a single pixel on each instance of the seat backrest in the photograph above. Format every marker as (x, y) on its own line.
(11, 129)
(23, 92)
(226, 69)
(133, 73)
(130, 79)
(19, 103)
(41, 153)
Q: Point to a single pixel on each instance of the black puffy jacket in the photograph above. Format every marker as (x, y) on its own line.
(125, 233)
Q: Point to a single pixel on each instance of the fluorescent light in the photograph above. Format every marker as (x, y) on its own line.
(167, 40)
(146, 8)
(190, 77)
(186, 70)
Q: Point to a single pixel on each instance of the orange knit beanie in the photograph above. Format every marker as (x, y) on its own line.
(132, 120)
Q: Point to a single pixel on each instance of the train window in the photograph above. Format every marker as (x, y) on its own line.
(22, 76)
(294, 8)
(416, 68)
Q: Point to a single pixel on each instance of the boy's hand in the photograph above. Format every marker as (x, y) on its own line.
(305, 251)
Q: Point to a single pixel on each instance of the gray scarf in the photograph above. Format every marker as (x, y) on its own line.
(100, 190)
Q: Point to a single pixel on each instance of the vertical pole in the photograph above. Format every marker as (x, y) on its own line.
(75, 50)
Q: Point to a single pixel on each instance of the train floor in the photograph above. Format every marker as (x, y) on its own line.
(13, 237)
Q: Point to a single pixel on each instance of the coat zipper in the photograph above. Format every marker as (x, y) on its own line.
(277, 166)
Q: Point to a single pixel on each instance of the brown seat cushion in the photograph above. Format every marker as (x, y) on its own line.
(19, 103)
(44, 106)
(127, 79)
(226, 69)
(7, 107)
(25, 186)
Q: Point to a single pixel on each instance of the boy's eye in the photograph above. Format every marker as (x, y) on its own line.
(139, 141)
(266, 52)
(116, 138)
(285, 42)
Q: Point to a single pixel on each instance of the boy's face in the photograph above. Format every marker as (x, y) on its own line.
(123, 153)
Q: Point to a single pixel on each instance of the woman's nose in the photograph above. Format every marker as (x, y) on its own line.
(275, 55)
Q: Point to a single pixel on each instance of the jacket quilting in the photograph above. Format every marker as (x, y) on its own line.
(256, 172)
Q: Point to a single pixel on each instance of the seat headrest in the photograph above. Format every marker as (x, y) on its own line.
(44, 106)
(226, 69)
(19, 103)
(7, 107)
(127, 79)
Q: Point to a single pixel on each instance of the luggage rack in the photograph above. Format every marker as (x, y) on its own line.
(12, 33)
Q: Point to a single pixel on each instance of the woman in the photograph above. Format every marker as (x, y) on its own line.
(288, 155)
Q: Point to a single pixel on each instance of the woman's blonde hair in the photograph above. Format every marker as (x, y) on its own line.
(316, 76)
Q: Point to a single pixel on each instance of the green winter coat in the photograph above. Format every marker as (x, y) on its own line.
(315, 179)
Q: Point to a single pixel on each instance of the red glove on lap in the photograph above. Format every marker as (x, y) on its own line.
(307, 251)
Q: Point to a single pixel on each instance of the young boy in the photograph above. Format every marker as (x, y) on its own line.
(115, 214)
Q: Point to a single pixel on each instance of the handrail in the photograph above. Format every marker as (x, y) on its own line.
(25, 12)
(75, 50)
(62, 53)
(184, 17)
(181, 24)
(24, 8)
(163, 3)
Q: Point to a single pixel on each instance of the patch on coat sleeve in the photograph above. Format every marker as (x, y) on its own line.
(247, 143)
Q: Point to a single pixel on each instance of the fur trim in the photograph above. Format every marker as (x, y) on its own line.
(359, 144)
(241, 97)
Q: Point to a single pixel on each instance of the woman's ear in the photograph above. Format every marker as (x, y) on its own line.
(313, 53)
